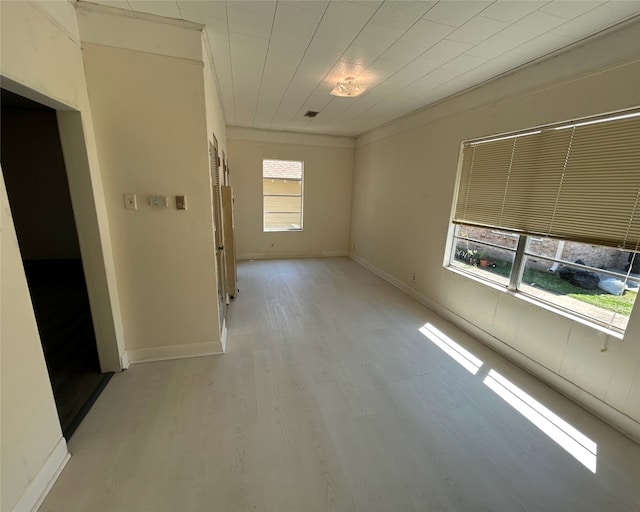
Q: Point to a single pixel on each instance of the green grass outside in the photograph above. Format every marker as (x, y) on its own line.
(553, 283)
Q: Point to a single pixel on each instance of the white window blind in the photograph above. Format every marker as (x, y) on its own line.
(579, 182)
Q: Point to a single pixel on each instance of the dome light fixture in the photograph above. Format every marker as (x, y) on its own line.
(348, 88)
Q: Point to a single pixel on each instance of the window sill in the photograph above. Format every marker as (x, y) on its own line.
(537, 303)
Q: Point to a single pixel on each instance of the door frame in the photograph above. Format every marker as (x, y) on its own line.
(92, 224)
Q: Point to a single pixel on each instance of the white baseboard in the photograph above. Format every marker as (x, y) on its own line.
(40, 486)
(124, 360)
(223, 336)
(147, 355)
(290, 255)
(604, 411)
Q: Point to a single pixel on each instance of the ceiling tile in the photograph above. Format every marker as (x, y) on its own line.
(400, 14)
(597, 19)
(264, 7)
(445, 50)
(510, 10)
(570, 9)
(377, 38)
(462, 63)
(247, 57)
(346, 17)
(477, 30)
(369, 3)
(409, 53)
(119, 4)
(359, 55)
(429, 81)
(167, 8)
(541, 45)
(381, 69)
(318, 99)
(249, 22)
(402, 52)
(219, 45)
(209, 9)
(424, 34)
(531, 26)
(456, 13)
(293, 29)
(492, 47)
(312, 5)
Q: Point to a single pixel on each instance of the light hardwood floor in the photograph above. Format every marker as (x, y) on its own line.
(330, 398)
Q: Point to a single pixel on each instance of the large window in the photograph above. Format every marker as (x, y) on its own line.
(282, 186)
(554, 213)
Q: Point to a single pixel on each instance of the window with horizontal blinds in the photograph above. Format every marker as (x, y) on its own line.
(577, 182)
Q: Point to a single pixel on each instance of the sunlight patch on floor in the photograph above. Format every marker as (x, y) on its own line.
(572, 440)
(453, 349)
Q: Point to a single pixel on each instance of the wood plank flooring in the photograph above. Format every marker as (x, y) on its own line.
(331, 399)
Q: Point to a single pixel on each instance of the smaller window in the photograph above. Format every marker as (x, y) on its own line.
(282, 186)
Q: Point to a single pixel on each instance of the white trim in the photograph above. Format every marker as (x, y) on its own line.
(223, 335)
(138, 15)
(147, 355)
(307, 139)
(606, 412)
(40, 486)
(124, 360)
(290, 255)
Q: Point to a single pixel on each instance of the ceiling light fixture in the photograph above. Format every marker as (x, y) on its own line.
(348, 88)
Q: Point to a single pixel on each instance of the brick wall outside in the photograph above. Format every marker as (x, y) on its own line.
(592, 255)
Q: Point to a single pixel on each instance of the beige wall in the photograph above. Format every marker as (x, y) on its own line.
(151, 130)
(403, 187)
(29, 428)
(40, 58)
(328, 167)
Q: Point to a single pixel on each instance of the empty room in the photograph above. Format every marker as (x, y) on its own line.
(320, 255)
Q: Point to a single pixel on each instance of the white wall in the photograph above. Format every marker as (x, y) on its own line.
(146, 85)
(328, 168)
(402, 195)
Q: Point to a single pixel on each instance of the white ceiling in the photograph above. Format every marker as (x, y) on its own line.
(277, 59)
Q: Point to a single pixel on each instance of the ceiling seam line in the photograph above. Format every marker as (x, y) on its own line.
(264, 65)
(298, 66)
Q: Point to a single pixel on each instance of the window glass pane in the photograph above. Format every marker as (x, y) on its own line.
(282, 204)
(282, 195)
(282, 221)
(492, 260)
(603, 298)
(274, 186)
(491, 236)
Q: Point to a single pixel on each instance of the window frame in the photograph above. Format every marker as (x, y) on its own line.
(515, 280)
(301, 196)
(520, 254)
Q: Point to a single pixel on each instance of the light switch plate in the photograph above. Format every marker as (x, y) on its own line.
(158, 201)
(181, 202)
(130, 202)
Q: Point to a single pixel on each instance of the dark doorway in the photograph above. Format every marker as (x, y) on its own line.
(36, 182)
